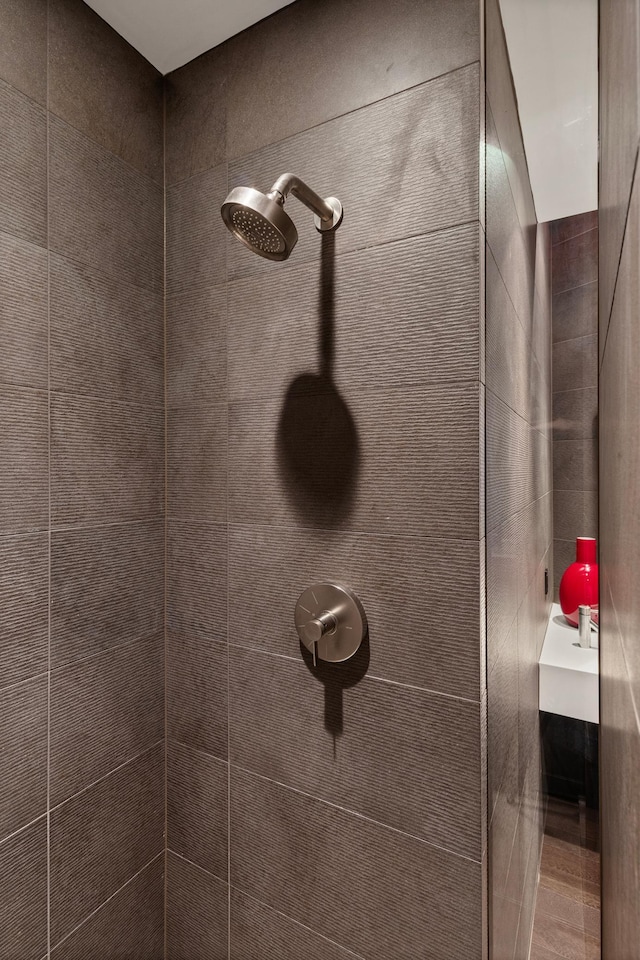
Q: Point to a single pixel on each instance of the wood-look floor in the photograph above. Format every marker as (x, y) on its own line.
(567, 920)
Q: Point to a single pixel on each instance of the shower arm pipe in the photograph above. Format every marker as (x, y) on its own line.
(289, 183)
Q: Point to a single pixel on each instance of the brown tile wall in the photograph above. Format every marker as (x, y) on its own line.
(574, 267)
(519, 504)
(619, 352)
(324, 420)
(81, 489)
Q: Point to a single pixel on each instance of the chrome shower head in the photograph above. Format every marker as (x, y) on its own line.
(258, 220)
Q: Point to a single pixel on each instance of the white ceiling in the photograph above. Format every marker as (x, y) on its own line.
(169, 33)
(553, 48)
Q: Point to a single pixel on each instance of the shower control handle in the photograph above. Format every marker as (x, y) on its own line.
(330, 621)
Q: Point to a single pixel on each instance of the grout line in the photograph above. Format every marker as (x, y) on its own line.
(20, 683)
(165, 519)
(115, 648)
(151, 405)
(355, 813)
(108, 900)
(192, 863)
(559, 243)
(578, 286)
(228, 527)
(105, 776)
(49, 518)
(25, 826)
(71, 527)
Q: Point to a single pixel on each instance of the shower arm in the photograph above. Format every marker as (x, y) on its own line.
(289, 183)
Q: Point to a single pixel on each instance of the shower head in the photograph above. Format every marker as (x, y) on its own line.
(258, 220)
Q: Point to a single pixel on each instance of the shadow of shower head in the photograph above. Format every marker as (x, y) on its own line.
(259, 221)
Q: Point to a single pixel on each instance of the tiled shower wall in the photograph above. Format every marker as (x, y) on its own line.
(619, 383)
(574, 264)
(81, 488)
(324, 421)
(519, 504)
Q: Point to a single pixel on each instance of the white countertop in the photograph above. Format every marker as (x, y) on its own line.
(568, 673)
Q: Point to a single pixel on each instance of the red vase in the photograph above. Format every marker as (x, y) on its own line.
(579, 582)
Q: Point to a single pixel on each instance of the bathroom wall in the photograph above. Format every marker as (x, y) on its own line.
(81, 489)
(574, 265)
(518, 504)
(619, 358)
(325, 421)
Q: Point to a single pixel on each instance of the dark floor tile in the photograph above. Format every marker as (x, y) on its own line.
(104, 710)
(196, 115)
(565, 940)
(24, 490)
(197, 580)
(195, 233)
(415, 636)
(258, 933)
(107, 588)
(106, 461)
(403, 893)
(197, 808)
(102, 212)
(350, 740)
(103, 87)
(197, 462)
(23, 748)
(130, 925)
(23, 47)
(106, 335)
(575, 312)
(378, 319)
(23, 313)
(197, 693)
(23, 167)
(197, 912)
(394, 464)
(197, 345)
(575, 262)
(104, 836)
(24, 606)
(377, 49)
(550, 903)
(23, 894)
(422, 144)
(561, 868)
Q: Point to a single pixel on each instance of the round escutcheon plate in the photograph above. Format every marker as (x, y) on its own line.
(346, 615)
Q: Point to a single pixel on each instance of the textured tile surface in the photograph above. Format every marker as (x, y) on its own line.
(375, 52)
(197, 911)
(102, 212)
(197, 808)
(107, 588)
(23, 167)
(575, 262)
(197, 345)
(575, 312)
(575, 414)
(23, 313)
(23, 747)
(407, 459)
(129, 925)
(575, 465)
(402, 625)
(197, 462)
(351, 741)
(194, 225)
(106, 460)
(575, 514)
(23, 46)
(258, 933)
(104, 710)
(102, 837)
(568, 227)
(103, 87)
(197, 580)
(422, 145)
(575, 363)
(402, 891)
(197, 693)
(402, 314)
(196, 115)
(24, 606)
(23, 893)
(106, 335)
(24, 444)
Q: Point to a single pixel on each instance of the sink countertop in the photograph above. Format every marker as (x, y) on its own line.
(568, 673)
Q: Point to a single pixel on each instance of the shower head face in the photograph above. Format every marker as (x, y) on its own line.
(260, 223)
